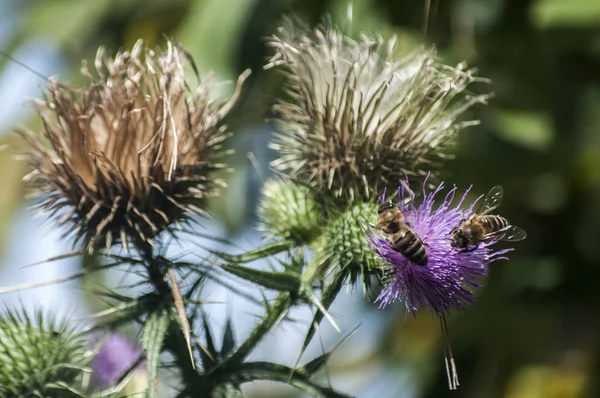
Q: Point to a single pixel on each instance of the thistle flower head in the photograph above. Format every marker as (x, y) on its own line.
(357, 119)
(117, 356)
(448, 280)
(39, 357)
(131, 154)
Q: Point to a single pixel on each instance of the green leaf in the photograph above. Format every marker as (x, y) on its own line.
(265, 251)
(204, 19)
(280, 281)
(84, 16)
(327, 298)
(562, 13)
(251, 371)
(274, 314)
(228, 339)
(207, 361)
(531, 130)
(316, 364)
(153, 337)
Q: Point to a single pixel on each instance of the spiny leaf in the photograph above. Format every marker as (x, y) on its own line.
(327, 298)
(265, 251)
(251, 371)
(275, 313)
(228, 339)
(153, 337)
(316, 364)
(208, 361)
(280, 281)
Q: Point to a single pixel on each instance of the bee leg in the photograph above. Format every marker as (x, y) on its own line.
(467, 250)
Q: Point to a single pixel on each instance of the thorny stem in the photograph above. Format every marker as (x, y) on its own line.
(174, 341)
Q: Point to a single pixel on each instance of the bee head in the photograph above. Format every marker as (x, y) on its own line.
(386, 206)
(459, 239)
(390, 217)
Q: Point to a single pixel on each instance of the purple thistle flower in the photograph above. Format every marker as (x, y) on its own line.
(451, 275)
(115, 358)
(449, 279)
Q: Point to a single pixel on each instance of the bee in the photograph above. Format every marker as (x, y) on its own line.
(404, 240)
(483, 227)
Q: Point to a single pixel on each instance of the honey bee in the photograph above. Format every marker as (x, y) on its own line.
(404, 240)
(483, 227)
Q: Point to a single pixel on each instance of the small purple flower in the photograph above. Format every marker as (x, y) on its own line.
(448, 280)
(115, 358)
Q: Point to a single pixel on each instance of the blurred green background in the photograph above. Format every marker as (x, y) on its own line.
(535, 329)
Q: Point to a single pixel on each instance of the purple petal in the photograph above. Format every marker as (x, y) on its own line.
(115, 358)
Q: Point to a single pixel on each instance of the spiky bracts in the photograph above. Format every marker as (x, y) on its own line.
(39, 357)
(357, 119)
(289, 211)
(131, 154)
(345, 245)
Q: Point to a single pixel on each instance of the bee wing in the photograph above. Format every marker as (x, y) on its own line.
(492, 200)
(510, 233)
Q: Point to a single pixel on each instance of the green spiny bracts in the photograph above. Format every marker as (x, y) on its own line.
(290, 211)
(40, 358)
(347, 248)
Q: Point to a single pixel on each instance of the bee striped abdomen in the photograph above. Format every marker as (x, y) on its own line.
(411, 246)
(494, 223)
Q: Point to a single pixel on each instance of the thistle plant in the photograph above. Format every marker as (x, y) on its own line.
(130, 158)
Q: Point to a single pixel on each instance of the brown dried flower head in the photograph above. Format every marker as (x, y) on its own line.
(357, 119)
(130, 155)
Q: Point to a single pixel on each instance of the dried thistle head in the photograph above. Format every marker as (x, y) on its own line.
(131, 154)
(357, 119)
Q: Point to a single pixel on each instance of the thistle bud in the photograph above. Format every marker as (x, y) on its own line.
(39, 358)
(358, 119)
(132, 154)
(346, 246)
(289, 211)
